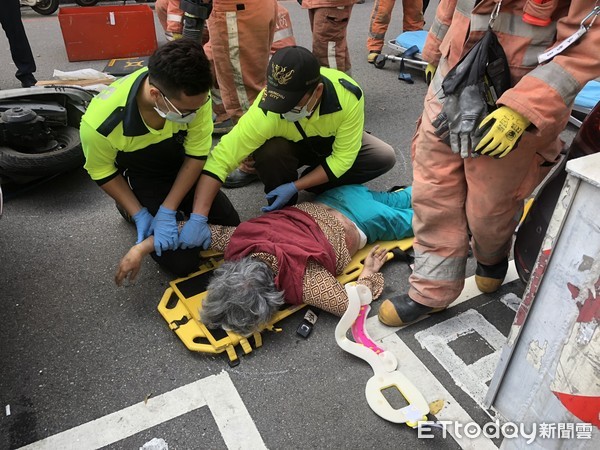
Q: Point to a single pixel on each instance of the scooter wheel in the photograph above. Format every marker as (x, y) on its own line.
(46, 7)
(86, 2)
(380, 61)
(67, 156)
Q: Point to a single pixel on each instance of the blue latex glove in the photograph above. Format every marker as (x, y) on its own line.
(143, 222)
(195, 233)
(279, 196)
(166, 236)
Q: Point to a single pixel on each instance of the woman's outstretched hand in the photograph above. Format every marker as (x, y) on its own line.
(129, 266)
(374, 261)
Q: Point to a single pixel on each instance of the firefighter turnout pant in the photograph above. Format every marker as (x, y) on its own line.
(455, 197)
(412, 20)
(241, 34)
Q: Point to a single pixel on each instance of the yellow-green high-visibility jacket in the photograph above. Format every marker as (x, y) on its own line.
(112, 128)
(340, 115)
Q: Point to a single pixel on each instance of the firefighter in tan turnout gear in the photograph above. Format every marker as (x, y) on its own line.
(329, 23)
(552, 51)
(170, 17)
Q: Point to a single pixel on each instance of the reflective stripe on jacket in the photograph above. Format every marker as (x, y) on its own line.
(284, 33)
(310, 4)
(170, 15)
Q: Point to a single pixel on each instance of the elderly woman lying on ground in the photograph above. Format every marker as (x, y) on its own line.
(293, 255)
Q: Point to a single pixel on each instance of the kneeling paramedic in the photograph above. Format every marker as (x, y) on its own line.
(145, 140)
(306, 116)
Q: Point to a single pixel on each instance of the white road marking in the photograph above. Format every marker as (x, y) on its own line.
(470, 378)
(511, 301)
(411, 366)
(378, 331)
(230, 414)
(216, 391)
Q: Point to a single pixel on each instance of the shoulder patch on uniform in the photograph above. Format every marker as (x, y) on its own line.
(111, 121)
(351, 87)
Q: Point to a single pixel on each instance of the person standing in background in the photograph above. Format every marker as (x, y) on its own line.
(241, 34)
(329, 23)
(246, 174)
(412, 20)
(170, 17)
(20, 50)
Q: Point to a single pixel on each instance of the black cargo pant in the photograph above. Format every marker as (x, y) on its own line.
(277, 161)
(151, 193)
(151, 173)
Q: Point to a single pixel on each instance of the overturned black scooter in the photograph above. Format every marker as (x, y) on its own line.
(39, 132)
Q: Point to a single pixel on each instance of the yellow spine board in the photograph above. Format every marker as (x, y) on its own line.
(181, 308)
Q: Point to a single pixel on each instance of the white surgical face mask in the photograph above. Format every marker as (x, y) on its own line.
(295, 115)
(175, 115)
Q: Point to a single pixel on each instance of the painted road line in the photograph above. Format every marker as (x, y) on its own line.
(511, 301)
(236, 426)
(378, 331)
(139, 417)
(411, 366)
(471, 378)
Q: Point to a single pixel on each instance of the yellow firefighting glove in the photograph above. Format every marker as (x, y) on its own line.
(500, 131)
(429, 73)
(172, 36)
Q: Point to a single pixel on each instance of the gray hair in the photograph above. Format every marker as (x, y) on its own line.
(241, 296)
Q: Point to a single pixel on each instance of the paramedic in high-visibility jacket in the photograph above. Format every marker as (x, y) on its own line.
(483, 196)
(145, 139)
(306, 116)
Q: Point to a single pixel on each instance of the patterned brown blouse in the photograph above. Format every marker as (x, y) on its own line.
(321, 288)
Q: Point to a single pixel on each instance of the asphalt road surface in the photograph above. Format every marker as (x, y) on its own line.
(85, 364)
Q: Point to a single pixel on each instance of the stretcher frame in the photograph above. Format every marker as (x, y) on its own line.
(181, 303)
(415, 62)
(580, 111)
